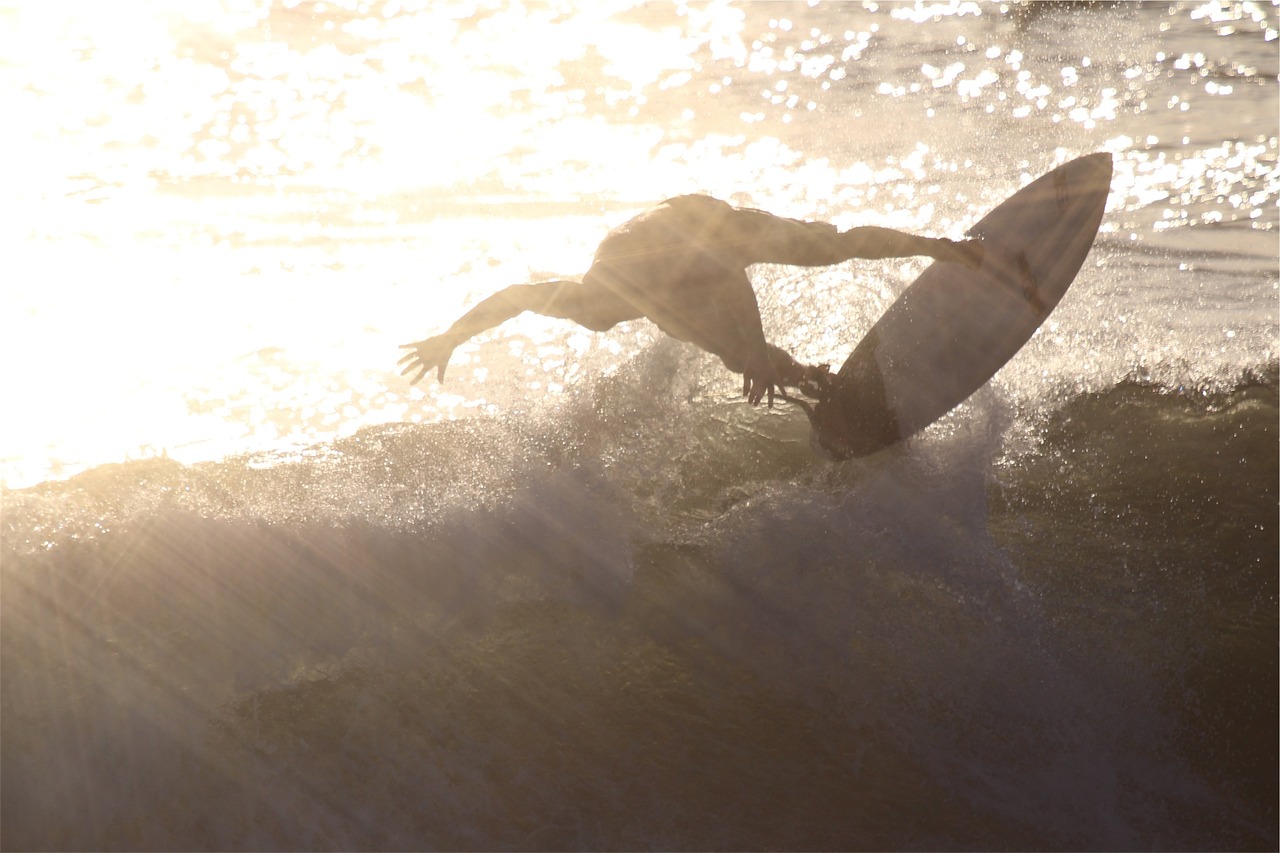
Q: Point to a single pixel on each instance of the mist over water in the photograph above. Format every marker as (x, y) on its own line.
(258, 592)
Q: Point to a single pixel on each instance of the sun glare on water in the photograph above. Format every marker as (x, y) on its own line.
(221, 218)
(196, 186)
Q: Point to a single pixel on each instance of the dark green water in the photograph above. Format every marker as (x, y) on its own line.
(948, 646)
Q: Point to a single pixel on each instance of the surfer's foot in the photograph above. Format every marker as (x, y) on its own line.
(966, 252)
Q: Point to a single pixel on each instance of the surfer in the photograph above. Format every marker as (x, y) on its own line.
(683, 265)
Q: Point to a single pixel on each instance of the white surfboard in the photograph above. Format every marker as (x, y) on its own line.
(953, 328)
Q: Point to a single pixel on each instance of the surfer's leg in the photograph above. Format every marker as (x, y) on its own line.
(773, 239)
(873, 242)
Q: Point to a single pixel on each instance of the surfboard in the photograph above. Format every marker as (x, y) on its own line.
(953, 328)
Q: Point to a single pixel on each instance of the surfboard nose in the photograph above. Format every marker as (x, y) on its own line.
(1093, 172)
(1077, 182)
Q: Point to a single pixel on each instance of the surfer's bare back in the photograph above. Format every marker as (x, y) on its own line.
(683, 264)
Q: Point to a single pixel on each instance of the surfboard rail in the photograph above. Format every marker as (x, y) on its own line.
(953, 328)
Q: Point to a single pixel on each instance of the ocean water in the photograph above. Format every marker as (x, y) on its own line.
(260, 593)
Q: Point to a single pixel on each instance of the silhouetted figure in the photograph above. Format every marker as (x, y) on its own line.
(683, 264)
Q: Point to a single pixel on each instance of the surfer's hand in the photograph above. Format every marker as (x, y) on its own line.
(966, 252)
(816, 381)
(759, 381)
(426, 354)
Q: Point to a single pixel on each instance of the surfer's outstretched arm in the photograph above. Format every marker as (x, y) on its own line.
(594, 308)
(769, 239)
